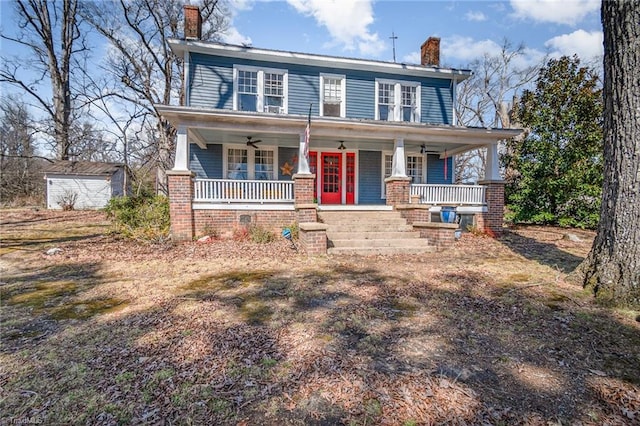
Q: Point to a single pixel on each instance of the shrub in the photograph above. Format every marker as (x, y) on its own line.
(261, 235)
(67, 200)
(144, 218)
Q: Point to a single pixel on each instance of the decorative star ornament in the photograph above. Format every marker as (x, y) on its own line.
(286, 169)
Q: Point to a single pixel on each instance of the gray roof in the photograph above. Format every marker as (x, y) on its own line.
(85, 168)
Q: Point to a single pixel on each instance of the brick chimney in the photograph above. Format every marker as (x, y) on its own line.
(430, 52)
(192, 22)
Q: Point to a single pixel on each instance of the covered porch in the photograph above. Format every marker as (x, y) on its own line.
(256, 162)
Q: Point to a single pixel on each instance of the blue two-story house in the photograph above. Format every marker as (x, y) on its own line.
(254, 118)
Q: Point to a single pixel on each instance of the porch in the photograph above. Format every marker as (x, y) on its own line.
(261, 192)
(236, 168)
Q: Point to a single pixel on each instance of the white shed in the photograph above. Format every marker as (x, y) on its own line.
(83, 184)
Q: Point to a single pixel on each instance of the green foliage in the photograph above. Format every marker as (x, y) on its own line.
(144, 218)
(559, 164)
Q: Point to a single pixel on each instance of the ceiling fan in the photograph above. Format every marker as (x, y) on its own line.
(252, 143)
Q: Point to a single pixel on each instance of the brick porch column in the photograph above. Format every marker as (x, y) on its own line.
(306, 208)
(180, 210)
(397, 189)
(493, 219)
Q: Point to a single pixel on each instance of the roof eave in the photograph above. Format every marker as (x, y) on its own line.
(201, 117)
(229, 50)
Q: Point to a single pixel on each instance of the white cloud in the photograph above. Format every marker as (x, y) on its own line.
(233, 36)
(459, 51)
(587, 45)
(475, 16)
(241, 5)
(568, 12)
(412, 58)
(347, 22)
(466, 49)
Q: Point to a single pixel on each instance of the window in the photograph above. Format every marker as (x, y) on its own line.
(415, 169)
(251, 164)
(405, 95)
(332, 95)
(386, 99)
(237, 164)
(260, 90)
(247, 90)
(263, 165)
(273, 92)
(409, 103)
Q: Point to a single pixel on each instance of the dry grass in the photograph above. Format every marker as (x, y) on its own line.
(490, 332)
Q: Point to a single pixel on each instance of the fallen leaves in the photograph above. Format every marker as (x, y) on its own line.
(232, 332)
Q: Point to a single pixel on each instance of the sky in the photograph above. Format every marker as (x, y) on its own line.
(468, 29)
(362, 28)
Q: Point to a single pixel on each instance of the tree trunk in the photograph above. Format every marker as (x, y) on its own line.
(612, 268)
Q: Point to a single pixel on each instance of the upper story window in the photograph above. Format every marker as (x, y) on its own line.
(259, 89)
(409, 103)
(247, 90)
(273, 92)
(332, 95)
(397, 101)
(386, 102)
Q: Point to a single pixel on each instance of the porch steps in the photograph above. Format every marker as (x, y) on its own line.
(367, 232)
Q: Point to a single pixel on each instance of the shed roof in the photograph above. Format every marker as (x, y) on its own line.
(86, 168)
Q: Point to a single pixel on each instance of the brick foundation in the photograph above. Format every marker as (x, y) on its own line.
(303, 188)
(415, 212)
(439, 235)
(306, 213)
(180, 196)
(492, 221)
(313, 238)
(397, 189)
(224, 222)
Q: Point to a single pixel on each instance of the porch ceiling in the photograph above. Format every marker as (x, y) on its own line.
(223, 126)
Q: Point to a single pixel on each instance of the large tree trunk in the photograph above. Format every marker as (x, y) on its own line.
(612, 268)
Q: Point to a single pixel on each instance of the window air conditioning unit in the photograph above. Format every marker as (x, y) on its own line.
(273, 109)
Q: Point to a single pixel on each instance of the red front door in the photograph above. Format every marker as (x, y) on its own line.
(351, 178)
(331, 178)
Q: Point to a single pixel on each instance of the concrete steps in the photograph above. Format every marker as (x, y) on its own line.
(371, 232)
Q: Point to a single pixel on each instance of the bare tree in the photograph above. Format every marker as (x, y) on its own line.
(50, 31)
(19, 164)
(612, 268)
(488, 97)
(141, 60)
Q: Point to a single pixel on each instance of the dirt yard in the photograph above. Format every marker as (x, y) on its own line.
(108, 331)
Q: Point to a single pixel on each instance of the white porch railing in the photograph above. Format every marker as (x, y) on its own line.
(449, 194)
(246, 191)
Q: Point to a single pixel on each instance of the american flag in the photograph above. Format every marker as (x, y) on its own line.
(445, 164)
(307, 135)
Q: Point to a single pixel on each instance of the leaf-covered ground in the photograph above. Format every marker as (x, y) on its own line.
(110, 331)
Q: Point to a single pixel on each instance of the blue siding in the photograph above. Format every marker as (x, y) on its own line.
(436, 101)
(206, 163)
(361, 91)
(211, 82)
(435, 169)
(211, 86)
(287, 155)
(370, 177)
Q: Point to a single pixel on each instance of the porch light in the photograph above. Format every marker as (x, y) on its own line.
(423, 149)
(342, 145)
